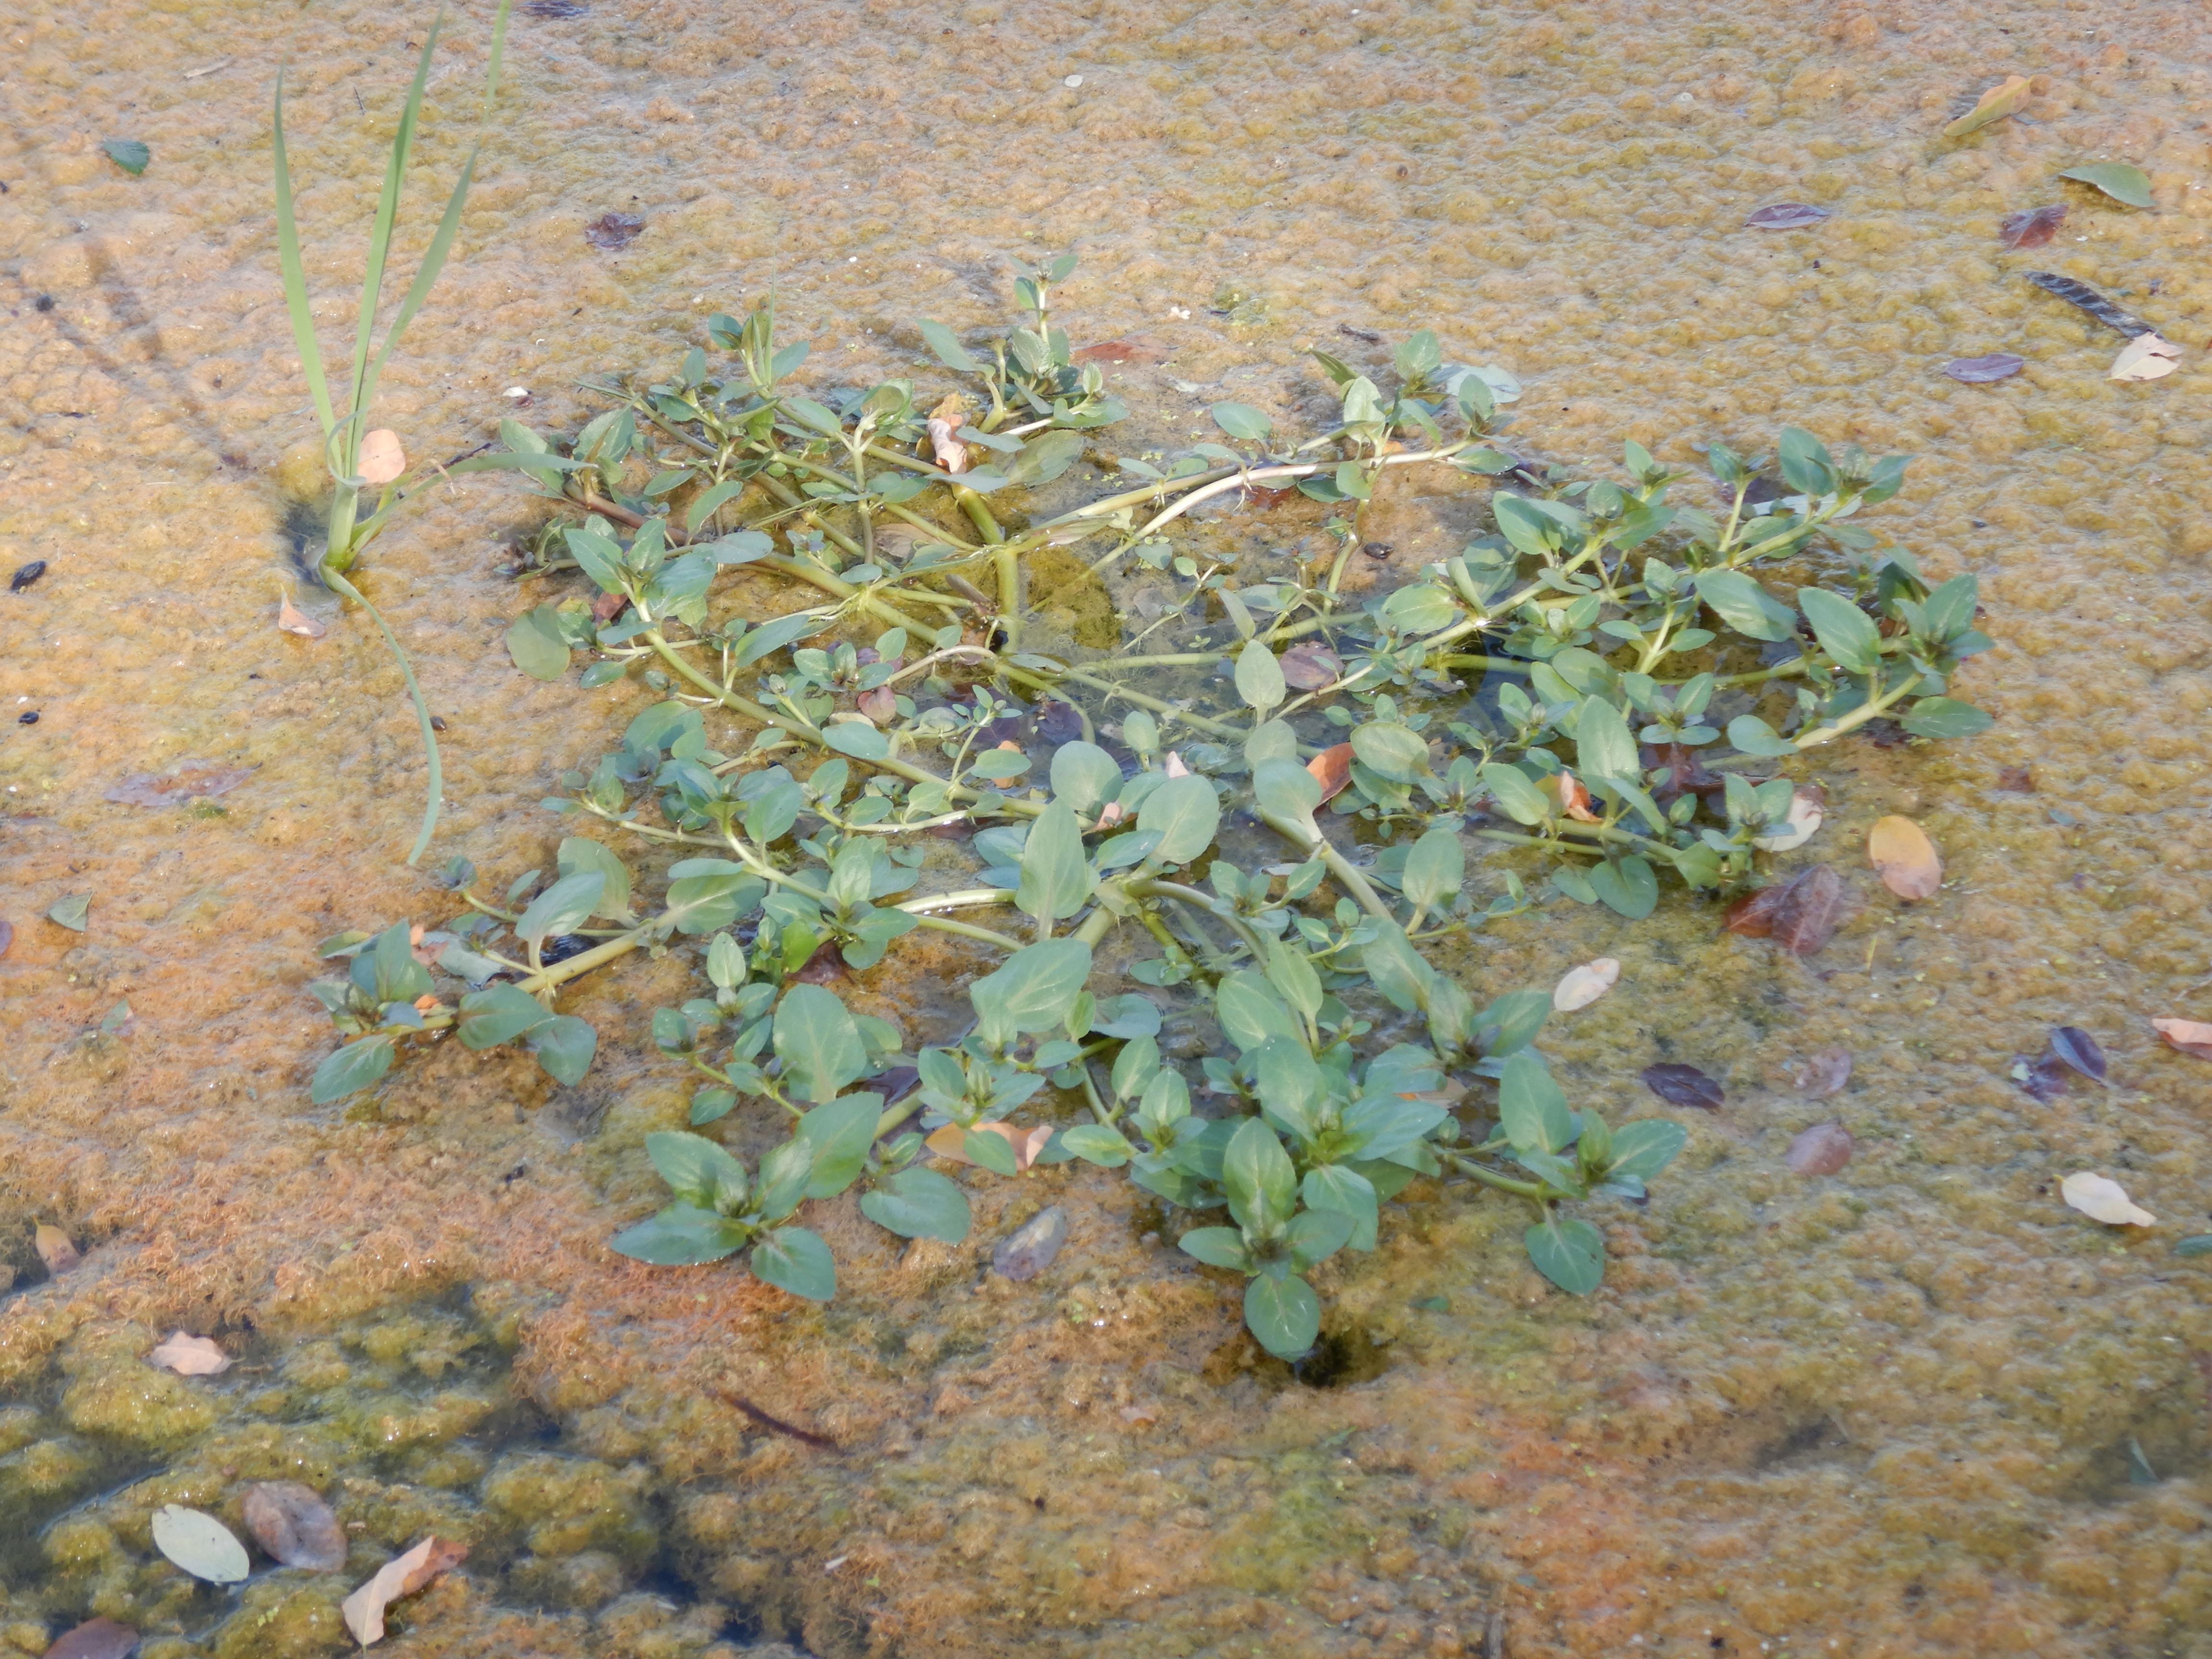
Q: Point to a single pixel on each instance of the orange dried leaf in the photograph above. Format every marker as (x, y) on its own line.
(1905, 859)
(401, 1576)
(57, 1249)
(2000, 100)
(949, 1142)
(2190, 1036)
(382, 460)
(190, 1356)
(944, 424)
(293, 620)
(1332, 769)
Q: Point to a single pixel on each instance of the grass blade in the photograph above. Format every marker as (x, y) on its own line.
(380, 244)
(422, 712)
(296, 275)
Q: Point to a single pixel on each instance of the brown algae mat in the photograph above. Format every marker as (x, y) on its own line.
(1915, 1406)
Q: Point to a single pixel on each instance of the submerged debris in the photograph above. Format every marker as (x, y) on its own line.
(2080, 294)
(1029, 1248)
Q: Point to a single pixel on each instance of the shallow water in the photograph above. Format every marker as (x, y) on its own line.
(1887, 1412)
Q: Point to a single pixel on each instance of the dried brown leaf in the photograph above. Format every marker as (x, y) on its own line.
(1332, 769)
(1823, 1073)
(2021, 780)
(2102, 1199)
(1685, 1085)
(613, 231)
(56, 1248)
(1310, 665)
(293, 620)
(2032, 227)
(1810, 910)
(2000, 100)
(382, 459)
(1138, 351)
(825, 967)
(1820, 1150)
(944, 423)
(949, 1142)
(1905, 859)
(880, 705)
(401, 1576)
(190, 1356)
(294, 1526)
(2190, 1036)
(2146, 357)
(95, 1638)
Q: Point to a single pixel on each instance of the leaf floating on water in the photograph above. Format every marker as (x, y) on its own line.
(613, 231)
(2146, 357)
(1579, 988)
(1685, 1085)
(129, 154)
(1820, 1150)
(382, 459)
(1905, 859)
(2121, 180)
(2032, 227)
(200, 1544)
(1824, 1073)
(2105, 1201)
(95, 1638)
(2075, 1048)
(2195, 1244)
(2000, 100)
(2088, 299)
(294, 1526)
(2190, 1036)
(1310, 665)
(1332, 769)
(1786, 215)
(1806, 912)
(1981, 371)
(401, 1576)
(293, 620)
(2020, 780)
(74, 912)
(1140, 351)
(56, 1248)
(1808, 806)
(190, 1356)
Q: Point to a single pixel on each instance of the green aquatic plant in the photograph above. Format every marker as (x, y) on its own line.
(345, 429)
(1268, 827)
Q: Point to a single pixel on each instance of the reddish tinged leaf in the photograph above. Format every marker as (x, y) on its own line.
(2190, 1036)
(382, 459)
(2032, 227)
(1140, 351)
(2074, 1047)
(880, 705)
(608, 606)
(613, 231)
(293, 620)
(1057, 721)
(1686, 773)
(1824, 1073)
(825, 967)
(1685, 1085)
(1753, 915)
(1981, 371)
(2021, 780)
(1310, 665)
(1810, 910)
(1332, 769)
(95, 1638)
(1786, 215)
(1820, 1150)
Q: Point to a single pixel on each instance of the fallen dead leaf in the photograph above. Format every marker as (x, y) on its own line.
(1310, 665)
(607, 607)
(2080, 294)
(1905, 858)
(191, 780)
(1138, 351)
(1567, 793)
(1332, 769)
(944, 424)
(293, 620)
(2032, 227)
(382, 459)
(1802, 914)
(1685, 1085)
(1580, 986)
(2076, 1049)
(880, 705)
(2021, 780)
(1820, 1150)
(947, 1142)
(1786, 215)
(294, 1526)
(1981, 371)
(2106, 1200)
(2000, 100)
(190, 1356)
(2146, 357)
(613, 231)
(56, 1248)
(1807, 807)
(95, 1638)
(401, 1576)
(2190, 1036)
(1823, 1073)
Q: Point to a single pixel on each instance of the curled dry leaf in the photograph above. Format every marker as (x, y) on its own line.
(1905, 858)
(294, 1526)
(2146, 357)
(2032, 227)
(1823, 1073)
(1568, 793)
(56, 1248)
(1310, 665)
(382, 460)
(1786, 215)
(401, 1576)
(1332, 769)
(1980, 371)
(190, 1356)
(948, 1142)
(1808, 806)
(2020, 780)
(1820, 1150)
(293, 620)
(2000, 100)
(95, 1638)
(2188, 1036)
(943, 424)
(2106, 1200)
(1685, 1085)
(1579, 988)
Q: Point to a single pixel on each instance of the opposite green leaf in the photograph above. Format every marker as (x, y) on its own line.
(1284, 1314)
(1569, 1252)
(794, 1260)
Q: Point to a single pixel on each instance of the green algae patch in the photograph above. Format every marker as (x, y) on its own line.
(139, 1405)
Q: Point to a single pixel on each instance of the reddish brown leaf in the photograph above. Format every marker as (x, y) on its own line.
(1981, 371)
(613, 231)
(2021, 780)
(880, 705)
(1138, 351)
(2190, 1036)
(294, 1525)
(1753, 915)
(1820, 1150)
(293, 620)
(607, 607)
(1685, 1085)
(1310, 665)
(2032, 227)
(402, 1576)
(1332, 769)
(95, 1638)
(825, 967)
(1810, 910)
(1824, 1073)
(1057, 721)
(1686, 773)
(1786, 215)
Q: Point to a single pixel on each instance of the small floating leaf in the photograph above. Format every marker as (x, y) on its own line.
(2078, 1050)
(2089, 300)
(2000, 100)
(1310, 665)
(1824, 1073)
(2190, 1036)
(382, 460)
(1579, 988)
(190, 1356)
(293, 620)
(1905, 858)
(1820, 1150)
(1981, 371)
(2106, 1200)
(95, 1638)
(1684, 1086)
(72, 912)
(1332, 769)
(200, 1544)
(2121, 180)
(129, 154)
(401, 1576)
(294, 1526)
(2146, 357)
(536, 644)
(2195, 1244)
(1786, 215)
(2032, 227)
(1808, 806)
